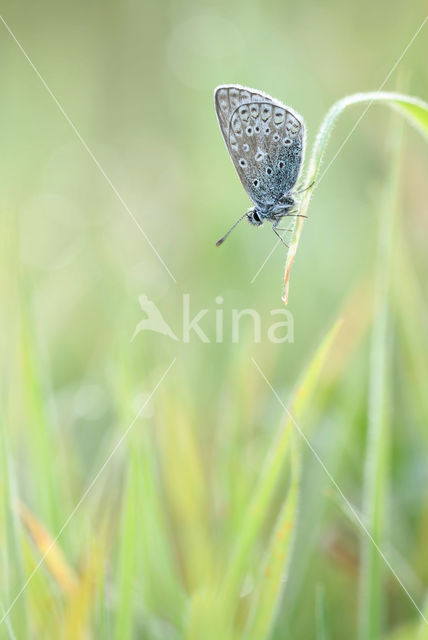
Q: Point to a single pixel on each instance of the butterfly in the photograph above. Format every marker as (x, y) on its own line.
(266, 141)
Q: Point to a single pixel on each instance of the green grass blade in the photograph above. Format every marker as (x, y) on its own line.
(186, 493)
(422, 632)
(101, 614)
(411, 312)
(376, 465)
(162, 591)
(258, 510)
(320, 613)
(11, 559)
(40, 435)
(275, 565)
(127, 555)
(415, 111)
(8, 625)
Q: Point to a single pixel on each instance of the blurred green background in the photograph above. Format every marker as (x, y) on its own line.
(141, 554)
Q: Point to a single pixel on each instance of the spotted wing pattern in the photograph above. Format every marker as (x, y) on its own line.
(265, 140)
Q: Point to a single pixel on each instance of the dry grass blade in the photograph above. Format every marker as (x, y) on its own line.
(55, 560)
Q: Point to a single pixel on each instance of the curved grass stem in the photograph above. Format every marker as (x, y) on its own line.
(413, 109)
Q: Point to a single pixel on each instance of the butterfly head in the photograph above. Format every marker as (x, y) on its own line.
(255, 217)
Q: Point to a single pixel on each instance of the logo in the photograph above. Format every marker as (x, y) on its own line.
(279, 328)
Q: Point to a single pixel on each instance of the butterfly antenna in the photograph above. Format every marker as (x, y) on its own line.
(219, 242)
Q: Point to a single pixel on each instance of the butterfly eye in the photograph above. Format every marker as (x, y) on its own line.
(256, 183)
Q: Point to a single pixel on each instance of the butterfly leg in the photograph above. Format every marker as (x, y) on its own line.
(286, 229)
(294, 215)
(275, 230)
(305, 189)
(280, 237)
(289, 214)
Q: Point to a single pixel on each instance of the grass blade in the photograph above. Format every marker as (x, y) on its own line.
(414, 110)
(422, 632)
(258, 510)
(376, 471)
(80, 602)
(320, 613)
(127, 555)
(11, 559)
(270, 584)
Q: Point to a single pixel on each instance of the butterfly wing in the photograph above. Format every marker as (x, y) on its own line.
(228, 97)
(265, 140)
